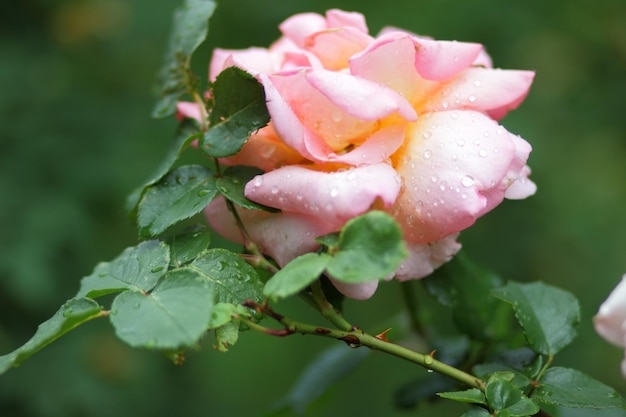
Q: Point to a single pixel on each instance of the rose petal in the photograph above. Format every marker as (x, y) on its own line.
(440, 60)
(522, 187)
(349, 93)
(376, 148)
(336, 18)
(494, 92)
(456, 166)
(299, 26)
(282, 236)
(335, 46)
(610, 319)
(361, 291)
(423, 259)
(336, 197)
(188, 110)
(252, 60)
(266, 151)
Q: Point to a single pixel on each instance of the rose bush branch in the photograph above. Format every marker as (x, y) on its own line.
(356, 337)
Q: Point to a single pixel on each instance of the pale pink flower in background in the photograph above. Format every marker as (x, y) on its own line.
(396, 122)
(610, 321)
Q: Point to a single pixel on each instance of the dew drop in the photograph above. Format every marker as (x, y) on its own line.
(455, 115)
(299, 196)
(329, 207)
(334, 192)
(486, 134)
(137, 306)
(427, 134)
(67, 312)
(445, 104)
(460, 142)
(102, 274)
(156, 269)
(258, 181)
(471, 98)
(274, 189)
(351, 176)
(434, 178)
(476, 142)
(482, 153)
(337, 117)
(477, 83)
(467, 181)
(202, 193)
(428, 153)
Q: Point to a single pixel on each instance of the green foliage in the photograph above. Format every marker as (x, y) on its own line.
(239, 111)
(72, 314)
(370, 247)
(548, 315)
(138, 268)
(506, 399)
(571, 388)
(232, 183)
(296, 275)
(323, 372)
(462, 285)
(182, 193)
(472, 396)
(190, 28)
(186, 246)
(175, 314)
(187, 133)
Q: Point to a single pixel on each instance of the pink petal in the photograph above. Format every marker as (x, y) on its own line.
(299, 26)
(440, 60)
(390, 61)
(349, 93)
(336, 197)
(455, 166)
(522, 187)
(494, 92)
(251, 60)
(376, 148)
(282, 236)
(611, 317)
(266, 151)
(423, 259)
(188, 110)
(336, 18)
(335, 46)
(361, 291)
(483, 60)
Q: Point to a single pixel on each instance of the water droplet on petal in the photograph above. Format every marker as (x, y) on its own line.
(477, 83)
(351, 176)
(258, 181)
(428, 153)
(460, 142)
(482, 153)
(274, 190)
(434, 178)
(427, 134)
(299, 196)
(471, 98)
(334, 192)
(467, 181)
(455, 115)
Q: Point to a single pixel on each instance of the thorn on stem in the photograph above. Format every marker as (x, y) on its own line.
(383, 335)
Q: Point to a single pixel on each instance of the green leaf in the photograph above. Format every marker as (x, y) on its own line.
(572, 388)
(473, 396)
(175, 314)
(326, 370)
(72, 314)
(506, 398)
(465, 287)
(548, 315)
(476, 412)
(231, 185)
(231, 278)
(186, 246)
(137, 268)
(187, 133)
(331, 241)
(296, 275)
(190, 28)
(182, 193)
(370, 248)
(227, 335)
(239, 111)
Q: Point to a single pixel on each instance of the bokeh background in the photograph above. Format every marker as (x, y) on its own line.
(76, 91)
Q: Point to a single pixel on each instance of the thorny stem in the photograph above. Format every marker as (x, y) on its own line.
(356, 337)
(327, 309)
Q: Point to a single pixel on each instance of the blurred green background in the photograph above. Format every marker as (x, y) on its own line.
(76, 82)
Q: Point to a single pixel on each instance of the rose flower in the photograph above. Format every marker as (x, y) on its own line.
(396, 122)
(610, 322)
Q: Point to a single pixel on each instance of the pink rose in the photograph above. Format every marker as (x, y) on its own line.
(610, 322)
(395, 122)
